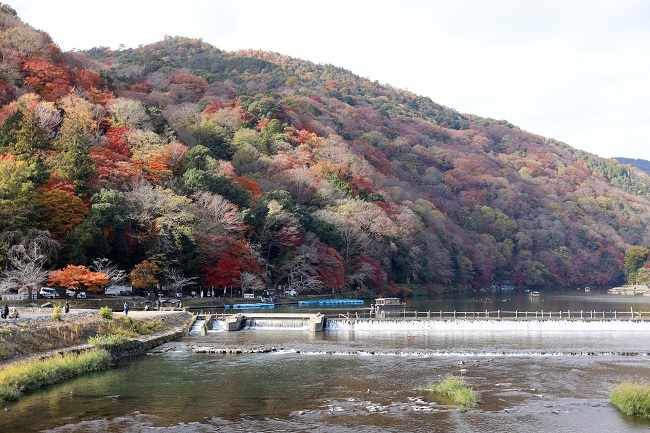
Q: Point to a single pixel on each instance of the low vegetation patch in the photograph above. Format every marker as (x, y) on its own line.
(632, 398)
(18, 378)
(454, 390)
(56, 313)
(109, 341)
(106, 313)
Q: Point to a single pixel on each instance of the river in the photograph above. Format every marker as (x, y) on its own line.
(542, 378)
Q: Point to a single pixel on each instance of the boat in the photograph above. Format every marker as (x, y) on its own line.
(534, 294)
(385, 306)
(332, 302)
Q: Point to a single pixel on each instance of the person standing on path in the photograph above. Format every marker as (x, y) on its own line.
(126, 309)
(67, 306)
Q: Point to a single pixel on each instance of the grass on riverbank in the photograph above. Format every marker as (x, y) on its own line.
(26, 337)
(15, 379)
(632, 398)
(454, 390)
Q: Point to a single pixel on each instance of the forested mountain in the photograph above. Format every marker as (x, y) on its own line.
(250, 168)
(641, 164)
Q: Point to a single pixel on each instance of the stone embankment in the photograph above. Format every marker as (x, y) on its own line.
(37, 334)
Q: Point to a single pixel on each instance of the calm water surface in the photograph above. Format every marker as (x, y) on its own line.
(353, 380)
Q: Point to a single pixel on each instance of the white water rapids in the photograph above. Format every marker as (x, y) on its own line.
(486, 325)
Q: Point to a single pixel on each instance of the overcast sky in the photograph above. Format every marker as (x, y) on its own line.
(577, 71)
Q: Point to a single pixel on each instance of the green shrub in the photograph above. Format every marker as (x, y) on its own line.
(454, 390)
(26, 376)
(109, 341)
(56, 313)
(106, 313)
(632, 398)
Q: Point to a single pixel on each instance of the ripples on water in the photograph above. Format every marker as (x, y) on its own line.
(354, 380)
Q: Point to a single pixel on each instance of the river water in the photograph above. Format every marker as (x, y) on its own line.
(542, 377)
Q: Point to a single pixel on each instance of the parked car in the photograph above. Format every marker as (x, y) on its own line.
(290, 292)
(72, 292)
(48, 292)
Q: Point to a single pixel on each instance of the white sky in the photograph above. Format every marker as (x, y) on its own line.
(574, 70)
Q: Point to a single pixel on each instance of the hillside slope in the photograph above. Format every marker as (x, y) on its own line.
(249, 169)
(641, 164)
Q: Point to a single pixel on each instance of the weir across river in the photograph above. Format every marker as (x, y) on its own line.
(363, 319)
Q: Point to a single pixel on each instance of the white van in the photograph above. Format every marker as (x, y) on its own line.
(48, 292)
(119, 291)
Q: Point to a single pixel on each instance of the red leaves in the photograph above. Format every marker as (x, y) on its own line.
(214, 107)
(186, 87)
(229, 258)
(141, 87)
(114, 170)
(252, 186)
(330, 267)
(371, 268)
(54, 80)
(50, 81)
(78, 277)
(117, 140)
(7, 93)
(225, 272)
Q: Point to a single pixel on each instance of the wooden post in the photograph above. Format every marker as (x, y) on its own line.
(516, 314)
(498, 314)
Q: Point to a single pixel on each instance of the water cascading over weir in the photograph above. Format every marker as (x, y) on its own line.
(501, 321)
(235, 322)
(400, 324)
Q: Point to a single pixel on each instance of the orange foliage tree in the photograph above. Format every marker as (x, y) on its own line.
(143, 275)
(63, 211)
(76, 277)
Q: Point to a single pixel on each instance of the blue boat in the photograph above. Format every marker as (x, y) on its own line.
(252, 306)
(332, 302)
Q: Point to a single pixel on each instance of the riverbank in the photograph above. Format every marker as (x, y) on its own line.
(38, 349)
(36, 334)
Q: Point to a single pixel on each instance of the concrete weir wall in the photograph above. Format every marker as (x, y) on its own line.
(237, 322)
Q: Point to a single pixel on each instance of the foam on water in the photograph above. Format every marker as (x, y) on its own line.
(486, 325)
(298, 324)
(196, 326)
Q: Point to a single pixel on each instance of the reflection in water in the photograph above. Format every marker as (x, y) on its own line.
(352, 381)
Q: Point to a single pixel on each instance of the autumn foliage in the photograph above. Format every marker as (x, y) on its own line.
(232, 165)
(76, 277)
